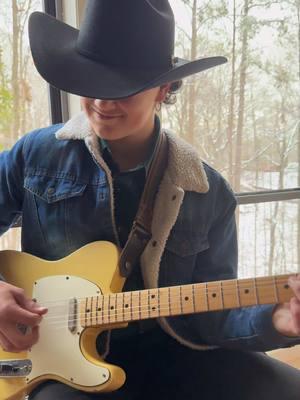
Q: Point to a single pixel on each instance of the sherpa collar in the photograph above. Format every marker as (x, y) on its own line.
(185, 167)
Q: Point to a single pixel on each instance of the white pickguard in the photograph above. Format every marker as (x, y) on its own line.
(57, 351)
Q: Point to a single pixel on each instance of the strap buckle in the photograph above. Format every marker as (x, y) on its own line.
(136, 243)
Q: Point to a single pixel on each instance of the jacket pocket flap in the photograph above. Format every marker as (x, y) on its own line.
(186, 244)
(51, 190)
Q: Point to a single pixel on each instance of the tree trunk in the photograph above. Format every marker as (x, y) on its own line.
(298, 230)
(192, 89)
(230, 127)
(241, 111)
(15, 72)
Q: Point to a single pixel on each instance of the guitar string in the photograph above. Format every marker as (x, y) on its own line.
(127, 316)
(193, 291)
(122, 296)
(111, 313)
(206, 287)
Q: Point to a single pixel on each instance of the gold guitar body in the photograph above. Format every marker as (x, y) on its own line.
(66, 351)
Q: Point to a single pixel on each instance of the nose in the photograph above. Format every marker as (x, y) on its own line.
(104, 104)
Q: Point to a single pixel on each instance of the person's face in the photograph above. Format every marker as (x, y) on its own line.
(118, 119)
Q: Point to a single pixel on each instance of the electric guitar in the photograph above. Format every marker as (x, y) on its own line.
(83, 294)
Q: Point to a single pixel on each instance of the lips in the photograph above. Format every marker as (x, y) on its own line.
(105, 116)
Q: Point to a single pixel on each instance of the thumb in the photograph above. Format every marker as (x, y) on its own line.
(31, 305)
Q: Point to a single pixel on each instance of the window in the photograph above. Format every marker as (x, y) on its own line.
(244, 117)
(23, 93)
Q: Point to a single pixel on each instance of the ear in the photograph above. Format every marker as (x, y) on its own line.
(163, 90)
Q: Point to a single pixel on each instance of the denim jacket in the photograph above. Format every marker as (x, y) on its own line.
(56, 179)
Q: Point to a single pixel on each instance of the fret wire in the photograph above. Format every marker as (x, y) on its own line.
(91, 312)
(97, 309)
(116, 305)
(158, 302)
(193, 296)
(108, 308)
(123, 306)
(180, 295)
(131, 304)
(102, 309)
(222, 294)
(169, 301)
(149, 310)
(140, 304)
(207, 299)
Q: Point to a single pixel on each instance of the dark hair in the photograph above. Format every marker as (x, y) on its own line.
(171, 95)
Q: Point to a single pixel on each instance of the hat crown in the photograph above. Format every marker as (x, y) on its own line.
(128, 33)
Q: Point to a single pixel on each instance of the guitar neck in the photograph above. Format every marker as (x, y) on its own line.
(184, 299)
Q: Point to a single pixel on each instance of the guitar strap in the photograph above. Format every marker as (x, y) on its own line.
(140, 233)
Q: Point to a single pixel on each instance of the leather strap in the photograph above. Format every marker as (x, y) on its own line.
(140, 233)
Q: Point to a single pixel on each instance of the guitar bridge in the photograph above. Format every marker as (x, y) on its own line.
(15, 368)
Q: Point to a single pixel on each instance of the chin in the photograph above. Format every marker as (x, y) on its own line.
(109, 135)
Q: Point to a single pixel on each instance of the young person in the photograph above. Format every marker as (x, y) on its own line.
(82, 181)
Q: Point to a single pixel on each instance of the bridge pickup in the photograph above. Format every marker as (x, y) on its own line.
(15, 368)
(72, 321)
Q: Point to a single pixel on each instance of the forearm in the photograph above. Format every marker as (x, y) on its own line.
(246, 329)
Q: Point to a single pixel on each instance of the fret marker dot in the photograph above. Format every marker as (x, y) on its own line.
(112, 307)
(98, 309)
(186, 298)
(214, 295)
(152, 296)
(88, 310)
(153, 308)
(246, 291)
(286, 286)
(126, 305)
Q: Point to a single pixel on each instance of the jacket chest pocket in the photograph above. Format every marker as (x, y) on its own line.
(180, 255)
(51, 190)
(47, 205)
(185, 244)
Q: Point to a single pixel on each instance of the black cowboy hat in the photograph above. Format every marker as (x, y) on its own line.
(122, 48)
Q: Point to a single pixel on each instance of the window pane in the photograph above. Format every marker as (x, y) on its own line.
(269, 238)
(243, 117)
(23, 94)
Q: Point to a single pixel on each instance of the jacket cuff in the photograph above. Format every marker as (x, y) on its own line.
(264, 328)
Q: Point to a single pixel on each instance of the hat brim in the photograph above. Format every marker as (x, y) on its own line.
(53, 47)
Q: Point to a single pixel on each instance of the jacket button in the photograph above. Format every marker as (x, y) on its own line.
(51, 190)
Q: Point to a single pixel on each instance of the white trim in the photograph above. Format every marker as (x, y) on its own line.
(268, 196)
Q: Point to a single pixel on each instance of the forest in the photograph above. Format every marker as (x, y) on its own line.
(242, 117)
